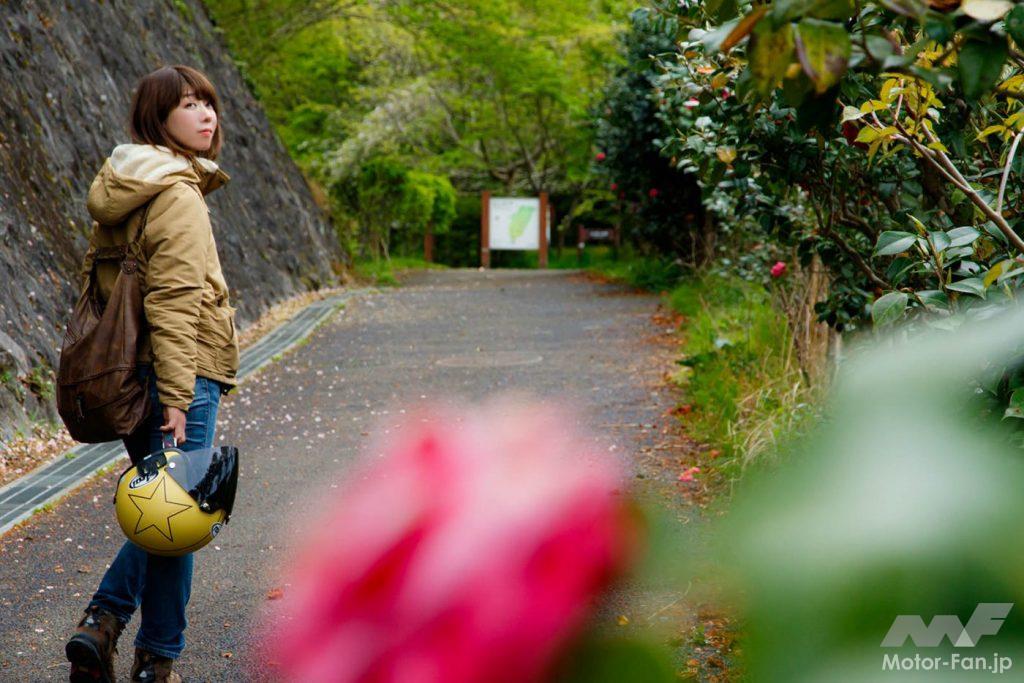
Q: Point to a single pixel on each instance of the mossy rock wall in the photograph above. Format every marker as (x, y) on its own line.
(66, 74)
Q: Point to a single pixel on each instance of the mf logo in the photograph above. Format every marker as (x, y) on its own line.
(986, 621)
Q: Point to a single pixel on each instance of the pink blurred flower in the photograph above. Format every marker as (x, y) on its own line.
(613, 187)
(653, 192)
(687, 474)
(778, 269)
(600, 156)
(691, 103)
(472, 551)
(725, 93)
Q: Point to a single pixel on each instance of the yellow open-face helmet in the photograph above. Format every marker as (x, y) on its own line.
(174, 502)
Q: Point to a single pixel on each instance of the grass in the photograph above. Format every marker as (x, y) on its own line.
(738, 371)
(40, 381)
(383, 272)
(743, 391)
(645, 272)
(106, 469)
(48, 507)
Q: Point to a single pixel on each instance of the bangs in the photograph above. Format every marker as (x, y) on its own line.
(199, 85)
(159, 93)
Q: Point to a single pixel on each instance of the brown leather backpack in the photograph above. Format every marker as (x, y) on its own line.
(99, 394)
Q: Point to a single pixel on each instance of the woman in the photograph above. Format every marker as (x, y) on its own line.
(189, 356)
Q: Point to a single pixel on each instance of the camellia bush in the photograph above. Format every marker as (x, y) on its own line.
(881, 137)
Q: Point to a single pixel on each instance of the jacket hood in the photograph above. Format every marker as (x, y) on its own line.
(134, 174)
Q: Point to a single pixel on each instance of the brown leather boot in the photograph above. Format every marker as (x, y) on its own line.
(91, 650)
(153, 668)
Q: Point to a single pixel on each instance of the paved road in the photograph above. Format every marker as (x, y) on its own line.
(301, 420)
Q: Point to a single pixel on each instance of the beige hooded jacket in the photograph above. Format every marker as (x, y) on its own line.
(191, 324)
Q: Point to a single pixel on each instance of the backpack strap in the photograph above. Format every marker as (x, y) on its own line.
(134, 247)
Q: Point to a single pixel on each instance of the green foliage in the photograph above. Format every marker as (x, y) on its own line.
(613, 660)
(658, 202)
(184, 10)
(738, 371)
(845, 536)
(383, 272)
(394, 203)
(483, 94)
(40, 382)
(880, 144)
(652, 274)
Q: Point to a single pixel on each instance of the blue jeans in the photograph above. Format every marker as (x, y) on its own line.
(161, 585)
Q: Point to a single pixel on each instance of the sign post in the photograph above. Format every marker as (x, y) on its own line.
(542, 238)
(428, 245)
(485, 230)
(514, 224)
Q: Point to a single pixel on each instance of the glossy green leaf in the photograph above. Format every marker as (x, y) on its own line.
(981, 63)
(1016, 405)
(894, 242)
(971, 285)
(771, 52)
(712, 40)
(889, 308)
(933, 298)
(1014, 23)
(823, 48)
(940, 240)
(783, 10)
(962, 236)
(879, 47)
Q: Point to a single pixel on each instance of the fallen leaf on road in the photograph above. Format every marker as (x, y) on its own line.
(275, 594)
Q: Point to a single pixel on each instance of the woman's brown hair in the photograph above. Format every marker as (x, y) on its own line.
(157, 94)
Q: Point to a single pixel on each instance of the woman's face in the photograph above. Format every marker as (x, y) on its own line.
(192, 122)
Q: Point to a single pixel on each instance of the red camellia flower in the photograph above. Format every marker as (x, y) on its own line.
(614, 186)
(471, 550)
(653, 192)
(726, 94)
(778, 269)
(600, 156)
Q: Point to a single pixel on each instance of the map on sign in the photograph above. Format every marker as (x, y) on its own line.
(515, 223)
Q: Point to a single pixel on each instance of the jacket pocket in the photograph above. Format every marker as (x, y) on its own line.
(218, 334)
(217, 327)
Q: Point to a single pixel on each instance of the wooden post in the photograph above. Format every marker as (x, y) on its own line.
(485, 229)
(428, 245)
(542, 260)
(618, 231)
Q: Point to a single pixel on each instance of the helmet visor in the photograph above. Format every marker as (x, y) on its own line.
(210, 475)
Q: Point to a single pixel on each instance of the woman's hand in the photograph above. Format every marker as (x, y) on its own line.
(174, 421)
